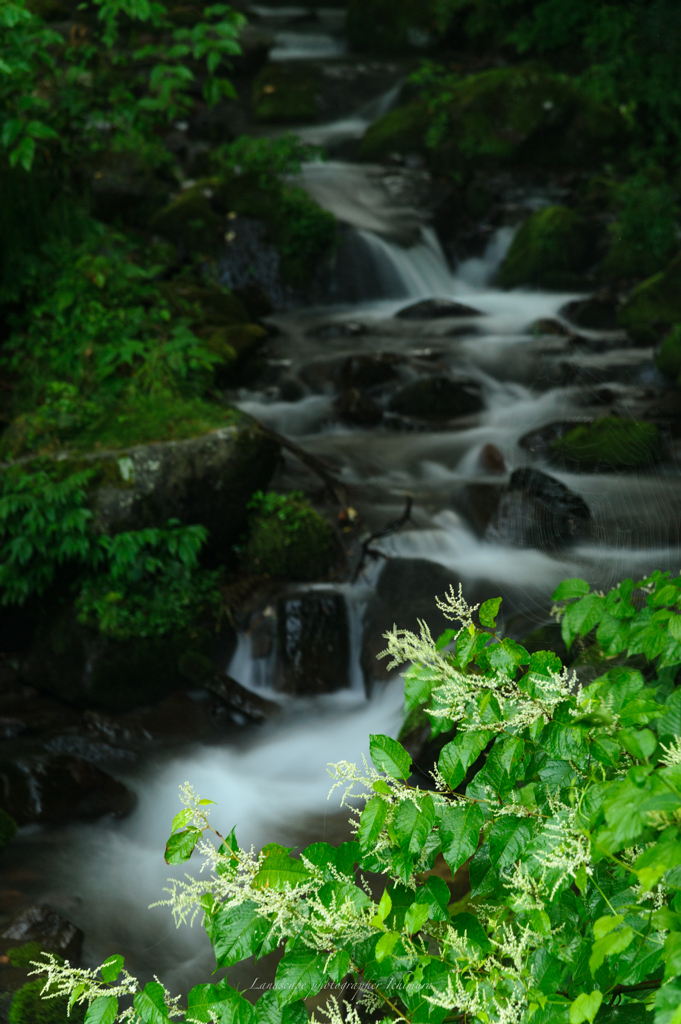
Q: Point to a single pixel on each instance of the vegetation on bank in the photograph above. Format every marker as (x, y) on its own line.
(559, 802)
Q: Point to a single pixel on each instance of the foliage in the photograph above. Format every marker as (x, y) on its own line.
(550, 248)
(29, 1007)
(669, 357)
(563, 801)
(623, 52)
(22, 956)
(153, 583)
(286, 537)
(644, 234)
(268, 160)
(286, 93)
(610, 442)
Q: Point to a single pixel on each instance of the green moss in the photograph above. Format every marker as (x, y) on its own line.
(28, 1007)
(669, 357)
(399, 131)
(610, 443)
(389, 26)
(288, 538)
(153, 418)
(8, 829)
(551, 247)
(22, 956)
(283, 93)
(191, 222)
(655, 301)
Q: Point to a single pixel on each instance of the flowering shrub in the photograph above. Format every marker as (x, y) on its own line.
(563, 801)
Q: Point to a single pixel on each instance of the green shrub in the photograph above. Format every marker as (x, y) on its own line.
(644, 235)
(8, 829)
(610, 443)
(669, 357)
(549, 250)
(288, 538)
(29, 1007)
(537, 881)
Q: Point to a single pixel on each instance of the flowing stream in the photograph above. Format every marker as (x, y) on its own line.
(273, 785)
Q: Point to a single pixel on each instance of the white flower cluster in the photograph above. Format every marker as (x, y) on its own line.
(82, 986)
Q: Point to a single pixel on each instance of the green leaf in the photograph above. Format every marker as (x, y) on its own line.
(371, 822)
(445, 639)
(459, 833)
(236, 933)
(180, 847)
(384, 907)
(507, 840)
(609, 945)
(150, 1004)
(278, 869)
(103, 1010)
(436, 894)
(412, 825)
(672, 956)
(457, 756)
(338, 966)
(640, 744)
(111, 968)
(416, 917)
(573, 587)
(390, 757)
(268, 1010)
(386, 945)
(668, 1004)
(222, 1000)
(300, 974)
(585, 1007)
(488, 612)
(181, 819)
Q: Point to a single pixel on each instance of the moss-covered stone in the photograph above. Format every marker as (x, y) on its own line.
(549, 250)
(390, 26)
(402, 130)
(284, 93)
(655, 301)
(299, 544)
(232, 342)
(212, 304)
(22, 956)
(28, 1007)
(8, 829)
(191, 223)
(669, 357)
(610, 443)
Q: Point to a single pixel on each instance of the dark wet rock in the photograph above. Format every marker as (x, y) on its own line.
(193, 716)
(343, 329)
(537, 511)
(285, 92)
(55, 934)
(434, 309)
(491, 459)
(313, 643)
(84, 668)
(255, 299)
(401, 131)
(353, 406)
(53, 789)
(125, 187)
(599, 312)
(478, 504)
(539, 441)
(243, 702)
(438, 398)
(262, 635)
(546, 637)
(368, 371)
(405, 592)
(549, 325)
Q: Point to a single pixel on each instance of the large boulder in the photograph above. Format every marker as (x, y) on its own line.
(41, 924)
(537, 511)
(288, 538)
(435, 309)
(549, 250)
(51, 789)
(656, 301)
(438, 398)
(598, 312)
(313, 646)
(206, 479)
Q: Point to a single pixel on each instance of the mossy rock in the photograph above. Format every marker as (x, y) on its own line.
(8, 829)
(390, 26)
(29, 1007)
(525, 115)
(399, 131)
(668, 359)
(301, 546)
(549, 250)
(230, 343)
(23, 956)
(610, 443)
(191, 223)
(655, 301)
(282, 93)
(213, 304)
